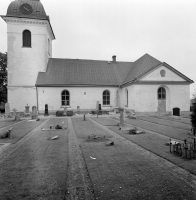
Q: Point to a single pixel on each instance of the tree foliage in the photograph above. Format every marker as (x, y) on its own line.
(3, 77)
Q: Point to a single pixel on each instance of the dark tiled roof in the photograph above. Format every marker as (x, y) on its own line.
(38, 9)
(61, 72)
(83, 72)
(141, 67)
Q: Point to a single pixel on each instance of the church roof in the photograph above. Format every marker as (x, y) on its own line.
(37, 13)
(65, 72)
(83, 72)
(141, 67)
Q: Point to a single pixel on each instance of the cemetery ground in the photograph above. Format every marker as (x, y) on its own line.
(80, 165)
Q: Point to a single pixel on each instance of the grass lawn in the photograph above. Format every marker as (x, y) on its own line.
(38, 169)
(152, 142)
(171, 123)
(19, 130)
(122, 172)
(8, 122)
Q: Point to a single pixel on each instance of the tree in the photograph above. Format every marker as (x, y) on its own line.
(3, 78)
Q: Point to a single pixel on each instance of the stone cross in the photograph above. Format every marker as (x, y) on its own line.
(7, 109)
(34, 112)
(14, 112)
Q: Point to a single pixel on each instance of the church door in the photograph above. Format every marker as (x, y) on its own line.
(161, 100)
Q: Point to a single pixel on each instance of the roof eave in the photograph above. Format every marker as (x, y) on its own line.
(3, 17)
(177, 72)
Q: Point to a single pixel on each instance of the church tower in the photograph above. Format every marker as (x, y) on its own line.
(29, 46)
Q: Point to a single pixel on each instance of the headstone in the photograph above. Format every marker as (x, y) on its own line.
(99, 107)
(176, 111)
(7, 109)
(65, 111)
(27, 111)
(46, 110)
(122, 117)
(34, 112)
(14, 112)
(78, 109)
(17, 118)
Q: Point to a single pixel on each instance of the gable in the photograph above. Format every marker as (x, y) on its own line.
(155, 75)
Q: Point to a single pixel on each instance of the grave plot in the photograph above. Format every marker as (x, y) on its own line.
(171, 123)
(151, 141)
(19, 130)
(120, 171)
(38, 169)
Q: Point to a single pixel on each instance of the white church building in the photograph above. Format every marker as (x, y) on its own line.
(146, 85)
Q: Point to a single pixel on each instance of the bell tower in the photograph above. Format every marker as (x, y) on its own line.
(29, 46)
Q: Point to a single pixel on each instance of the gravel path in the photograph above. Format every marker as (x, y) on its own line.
(35, 167)
(127, 171)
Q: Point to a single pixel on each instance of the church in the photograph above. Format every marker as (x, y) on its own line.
(145, 85)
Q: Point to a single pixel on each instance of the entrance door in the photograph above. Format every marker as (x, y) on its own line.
(161, 100)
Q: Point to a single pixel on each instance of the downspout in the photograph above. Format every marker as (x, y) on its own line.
(37, 100)
(117, 97)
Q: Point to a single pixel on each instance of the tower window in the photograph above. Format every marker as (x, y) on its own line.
(26, 38)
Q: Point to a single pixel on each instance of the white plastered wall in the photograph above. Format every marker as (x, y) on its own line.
(25, 63)
(19, 97)
(143, 98)
(85, 97)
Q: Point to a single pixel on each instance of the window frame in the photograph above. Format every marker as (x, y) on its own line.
(106, 98)
(65, 99)
(161, 93)
(26, 39)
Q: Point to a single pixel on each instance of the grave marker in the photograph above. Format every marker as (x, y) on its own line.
(14, 112)
(7, 109)
(46, 110)
(34, 112)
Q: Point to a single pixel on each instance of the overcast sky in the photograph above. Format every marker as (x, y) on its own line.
(98, 29)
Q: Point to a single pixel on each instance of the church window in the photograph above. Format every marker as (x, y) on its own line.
(106, 97)
(26, 38)
(161, 93)
(65, 98)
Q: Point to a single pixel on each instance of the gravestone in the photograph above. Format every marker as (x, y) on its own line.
(78, 109)
(97, 106)
(14, 112)
(65, 111)
(46, 110)
(34, 112)
(122, 117)
(7, 109)
(176, 111)
(27, 110)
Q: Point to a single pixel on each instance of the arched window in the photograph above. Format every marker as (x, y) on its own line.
(127, 97)
(26, 38)
(65, 98)
(106, 97)
(161, 93)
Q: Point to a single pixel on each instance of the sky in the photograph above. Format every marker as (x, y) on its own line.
(99, 29)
